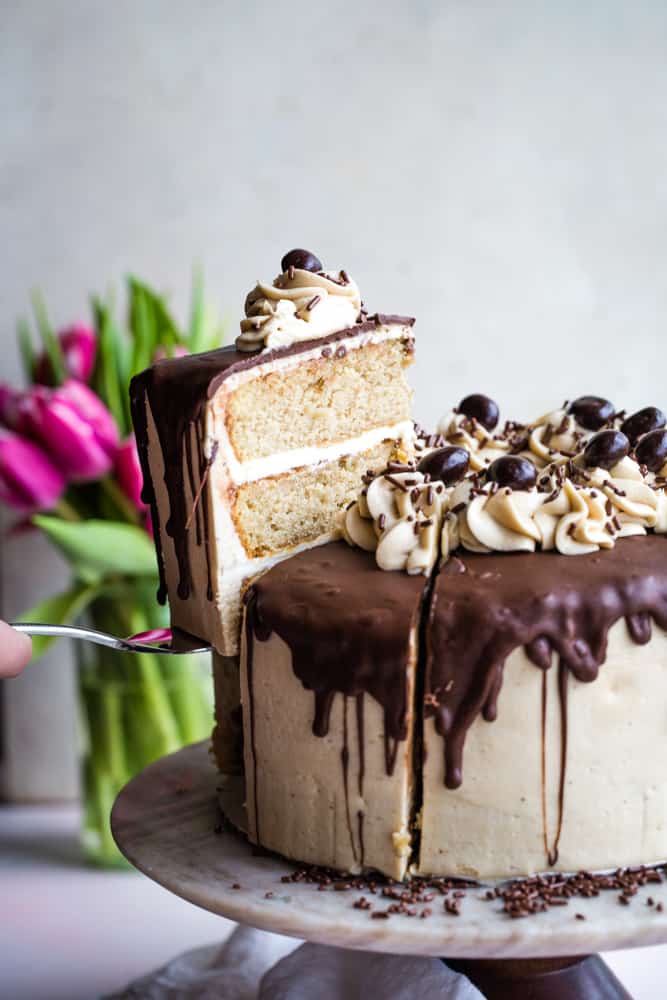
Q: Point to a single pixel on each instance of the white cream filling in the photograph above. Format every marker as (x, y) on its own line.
(281, 462)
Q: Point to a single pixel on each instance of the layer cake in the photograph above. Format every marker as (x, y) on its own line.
(473, 680)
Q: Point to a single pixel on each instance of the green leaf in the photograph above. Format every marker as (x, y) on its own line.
(142, 328)
(97, 548)
(27, 349)
(151, 324)
(61, 609)
(110, 367)
(51, 342)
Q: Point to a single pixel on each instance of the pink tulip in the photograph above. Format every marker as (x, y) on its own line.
(9, 399)
(73, 426)
(128, 472)
(29, 481)
(78, 344)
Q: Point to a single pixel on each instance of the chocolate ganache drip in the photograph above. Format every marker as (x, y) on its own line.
(176, 389)
(486, 606)
(350, 630)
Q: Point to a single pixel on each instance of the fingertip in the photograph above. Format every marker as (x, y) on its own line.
(24, 645)
(15, 650)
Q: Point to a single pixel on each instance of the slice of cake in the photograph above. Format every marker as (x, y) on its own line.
(328, 675)
(250, 452)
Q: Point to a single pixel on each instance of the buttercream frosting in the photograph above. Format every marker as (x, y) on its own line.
(298, 305)
(398, 515)
(573, 509)
(466, 432)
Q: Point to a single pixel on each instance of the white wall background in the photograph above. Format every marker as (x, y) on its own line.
(497, 168)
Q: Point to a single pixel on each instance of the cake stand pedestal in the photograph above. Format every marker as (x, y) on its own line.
(166, 822)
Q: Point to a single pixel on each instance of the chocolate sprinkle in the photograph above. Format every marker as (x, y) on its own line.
(523, 897)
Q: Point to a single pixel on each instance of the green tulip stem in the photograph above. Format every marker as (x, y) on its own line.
(119, 500)
(66, 510)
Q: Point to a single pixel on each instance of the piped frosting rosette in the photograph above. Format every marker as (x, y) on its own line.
(484, 448)
(398, 515)
(302, 303)
(555, 434)
(613, 487)
(573, 508)
(473, 425)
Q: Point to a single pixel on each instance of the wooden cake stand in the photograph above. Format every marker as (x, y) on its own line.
(166, 822)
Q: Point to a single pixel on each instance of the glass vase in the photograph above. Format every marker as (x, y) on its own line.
(134, 708)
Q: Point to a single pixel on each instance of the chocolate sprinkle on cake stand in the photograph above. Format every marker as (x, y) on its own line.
(527, 938)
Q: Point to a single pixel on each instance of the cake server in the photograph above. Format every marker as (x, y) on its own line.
(159, 640)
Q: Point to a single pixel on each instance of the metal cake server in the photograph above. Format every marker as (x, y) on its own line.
(159, 640)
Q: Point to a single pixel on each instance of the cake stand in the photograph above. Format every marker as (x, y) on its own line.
(166, 822)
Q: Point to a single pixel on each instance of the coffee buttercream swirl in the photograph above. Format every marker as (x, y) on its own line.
(555, 434)
(466, 432)
(573, 510)
(398, 515)
(411, 523)
(299, 305)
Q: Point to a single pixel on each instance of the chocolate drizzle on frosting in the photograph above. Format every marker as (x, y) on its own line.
(177, 390)
(345, 761)
(490, 605)
(351, 630)
(361, 773)
(358, 847)
(551, 848)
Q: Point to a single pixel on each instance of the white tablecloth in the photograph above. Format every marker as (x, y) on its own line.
(254, 965)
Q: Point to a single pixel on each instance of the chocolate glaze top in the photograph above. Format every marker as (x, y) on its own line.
(194, 377)
(484, 607)
(177, 390)
(349, 627)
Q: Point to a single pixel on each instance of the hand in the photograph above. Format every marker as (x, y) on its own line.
(15, 650)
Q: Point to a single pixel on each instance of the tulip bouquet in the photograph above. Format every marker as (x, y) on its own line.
(69, 467)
